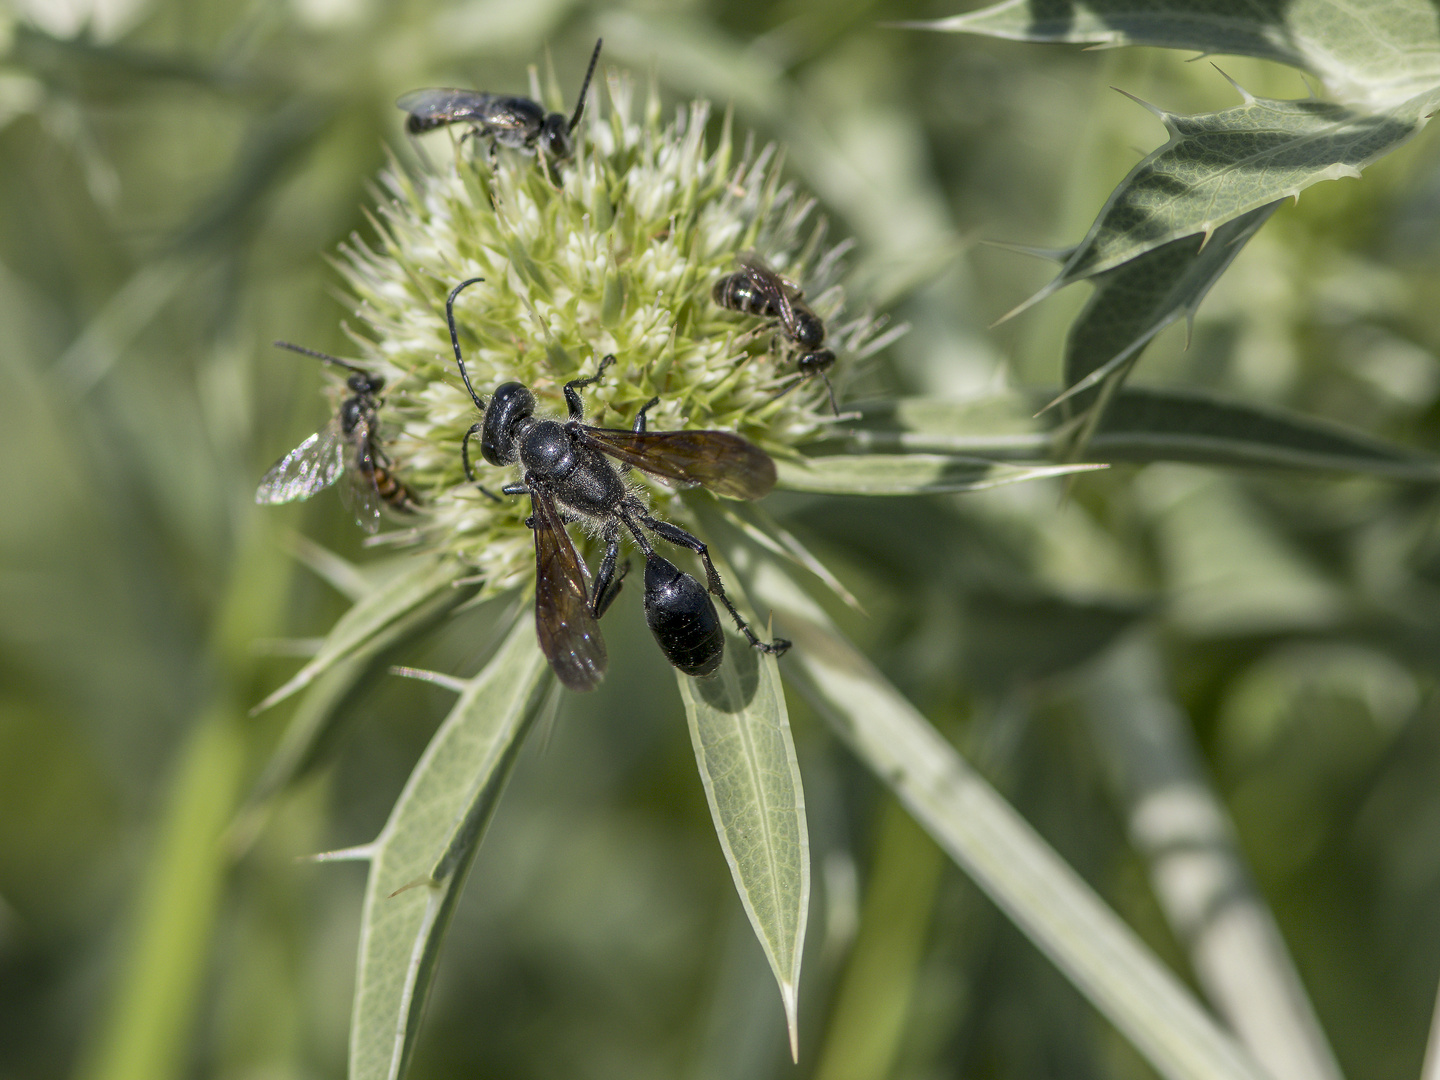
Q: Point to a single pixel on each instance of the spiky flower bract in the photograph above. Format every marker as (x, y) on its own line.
(615, 251)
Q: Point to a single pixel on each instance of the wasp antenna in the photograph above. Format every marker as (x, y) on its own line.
(580, 105)
(455, 338)
(320, 356)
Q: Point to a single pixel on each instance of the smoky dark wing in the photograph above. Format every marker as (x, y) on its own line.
(444, 105)
(311, 466)
(360, 491)
(771, 284)
(722, 461)
(569, 635)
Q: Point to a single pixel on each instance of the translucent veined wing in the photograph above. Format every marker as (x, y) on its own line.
(569, 635)
(722, 461)
(360, 491)
(772, 285)
(315, 464)
(438, 105)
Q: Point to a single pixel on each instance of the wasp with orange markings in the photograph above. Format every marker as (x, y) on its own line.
(348, 445)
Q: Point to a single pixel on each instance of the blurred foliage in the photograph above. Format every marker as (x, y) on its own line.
(174, 174)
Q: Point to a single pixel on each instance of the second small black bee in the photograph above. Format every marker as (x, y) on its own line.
(348, 444)
(567, 472)
(515, 122)
(755, 289)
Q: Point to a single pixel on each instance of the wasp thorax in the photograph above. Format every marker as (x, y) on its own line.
(547, 450)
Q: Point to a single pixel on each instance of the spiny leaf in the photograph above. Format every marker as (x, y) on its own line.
(907, 474)
(1218, 166)
(741, 733)
(421, 579)
(420, 859)
(1379, 52)
(1134, 302)
(1047, 900)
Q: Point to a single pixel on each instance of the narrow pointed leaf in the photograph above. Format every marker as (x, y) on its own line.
(1050, 903)
(1373, 52)
(908, 474)
(1173, 425)
(1134, 302)
(1147, 424)
(741, 733)
(1218, 166)
(426, 848)
(412, 587)
(1000, 426)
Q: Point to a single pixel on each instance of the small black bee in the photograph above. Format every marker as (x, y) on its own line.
(566, 470)
(347, 444)
(516, 122)
(755, 289)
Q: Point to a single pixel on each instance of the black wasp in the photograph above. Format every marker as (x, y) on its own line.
(755, 289)
(347, 444)
(516, 122)
(565, 470)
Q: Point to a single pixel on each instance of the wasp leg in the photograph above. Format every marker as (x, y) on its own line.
(639, 426)
(607, 585)
(572, 399)
(465, 460)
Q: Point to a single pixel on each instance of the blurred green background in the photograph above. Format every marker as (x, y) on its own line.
(173, 176)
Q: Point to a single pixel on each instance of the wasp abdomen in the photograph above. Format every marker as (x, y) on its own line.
(682, 618)
(738, 293)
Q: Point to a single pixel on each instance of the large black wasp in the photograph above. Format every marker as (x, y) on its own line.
(565, 470)
(755, 289)
(516, 122)
(348, 444)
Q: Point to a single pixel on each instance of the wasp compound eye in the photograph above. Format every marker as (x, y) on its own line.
(511, 403)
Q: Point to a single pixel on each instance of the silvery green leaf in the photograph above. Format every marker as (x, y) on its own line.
(908, 474)
(1374, 51)
(741, 733)
(1219, 166)
(419, 861)
(1134, 302)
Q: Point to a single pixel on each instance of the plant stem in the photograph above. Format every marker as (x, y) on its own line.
(1181, 827)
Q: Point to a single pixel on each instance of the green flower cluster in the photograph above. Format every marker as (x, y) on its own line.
(615, 251)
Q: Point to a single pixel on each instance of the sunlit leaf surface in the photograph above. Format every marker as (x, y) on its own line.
(1219, 166)
(419, 861)
(741, 733)
(1376, 52)
(1134, 302)
(908, 474)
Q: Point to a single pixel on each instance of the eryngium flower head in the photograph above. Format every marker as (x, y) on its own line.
(616, 251)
